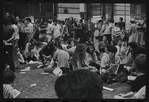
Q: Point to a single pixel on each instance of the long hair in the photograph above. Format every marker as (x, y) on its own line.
(79, 55)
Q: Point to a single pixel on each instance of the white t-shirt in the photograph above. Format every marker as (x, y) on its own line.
(49, 28)
(16, 34)
(62, 58)
(56, 30)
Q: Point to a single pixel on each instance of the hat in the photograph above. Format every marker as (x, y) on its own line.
(132, 19)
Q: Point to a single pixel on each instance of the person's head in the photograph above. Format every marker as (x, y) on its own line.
(112, 43)
(132, 20)
(7, 14)
(79, 84)
(139, 50)
(124, 43)
(121, 19)
(103, 18)
(132, 46)
(112, 51)
(111, 21)
(12, 20)
(116, 24)
(27, 21)
(100, 21)
(140, 63)
(50, 45)
(90, 48)
(62, 23)
(81, 20)
(106, 20)
(71, 42)
(54, 22)
(104, 38)
(17, 19)
(8, 77)
(32, 41)
(42, 19)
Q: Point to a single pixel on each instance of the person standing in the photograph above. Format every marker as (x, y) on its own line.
(90, 29)
(16, 40)
(108, 30)
(49, 31)
(141, 27)
(121, 24)
(132, 30)
(42, 29)
(8, 37)
(28, 30)
(56, 29)
(97, 31)
(65, 33)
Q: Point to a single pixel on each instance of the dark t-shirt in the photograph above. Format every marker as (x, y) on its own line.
(138, 83)
(8, 32)
(43, 25)
(47, 51)
(121, 25)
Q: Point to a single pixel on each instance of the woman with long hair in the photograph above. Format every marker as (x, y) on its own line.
(78, 58)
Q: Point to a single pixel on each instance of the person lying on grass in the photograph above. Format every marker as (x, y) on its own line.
(139, 82)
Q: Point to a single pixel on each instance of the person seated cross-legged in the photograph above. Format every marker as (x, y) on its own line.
(47, 52)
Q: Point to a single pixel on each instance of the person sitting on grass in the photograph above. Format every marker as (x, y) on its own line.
(29, 53)
(139, 82)
(107, 60)
(79, 84)
(60, 58)
(81, 59)
(8, 90)
(47, 52)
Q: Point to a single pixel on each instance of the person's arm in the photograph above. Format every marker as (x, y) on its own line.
(129, 94)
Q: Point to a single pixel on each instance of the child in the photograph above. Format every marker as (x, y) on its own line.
(8, 79)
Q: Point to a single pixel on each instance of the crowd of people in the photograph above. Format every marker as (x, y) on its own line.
(84, 52)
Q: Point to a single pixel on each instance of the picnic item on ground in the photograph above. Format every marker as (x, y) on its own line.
(26, 69)
(15, 93)
(57, 71)
(44, 73)
(33, 85)
(109, 89)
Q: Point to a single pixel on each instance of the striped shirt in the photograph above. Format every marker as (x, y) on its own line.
(9, 92)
